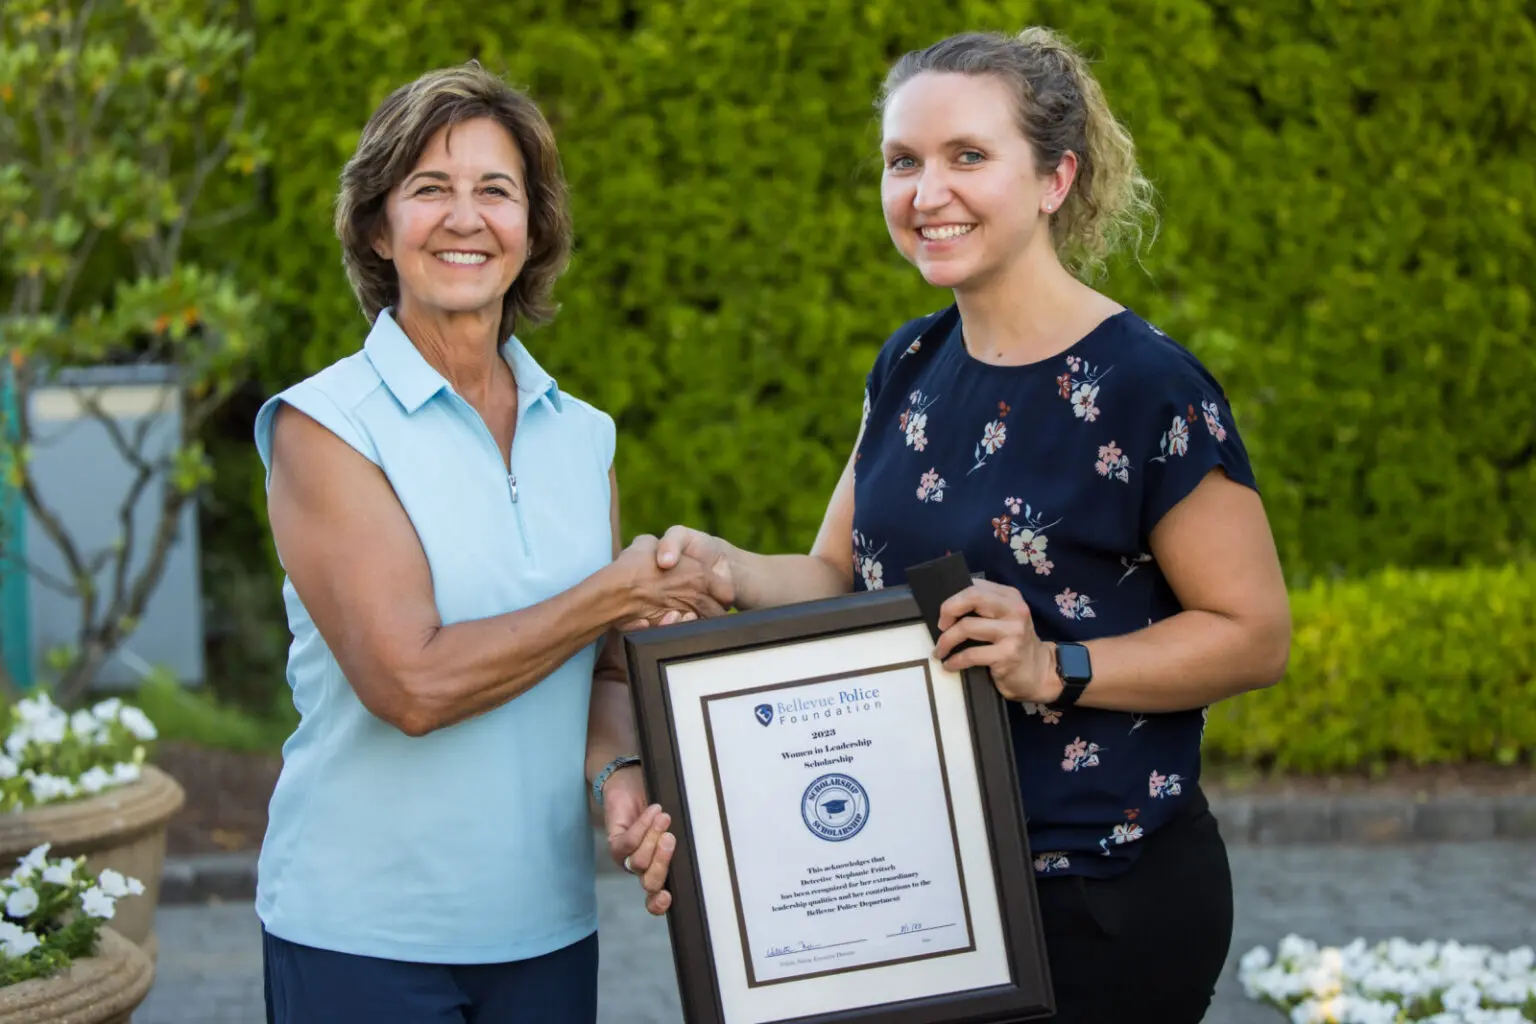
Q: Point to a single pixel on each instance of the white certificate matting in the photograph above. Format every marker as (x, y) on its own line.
(836, 814)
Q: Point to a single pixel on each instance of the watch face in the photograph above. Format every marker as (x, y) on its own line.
(1074, 663)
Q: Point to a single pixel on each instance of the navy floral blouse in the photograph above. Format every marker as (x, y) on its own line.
(1049, 477)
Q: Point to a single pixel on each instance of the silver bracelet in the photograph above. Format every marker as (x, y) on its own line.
(608, 769)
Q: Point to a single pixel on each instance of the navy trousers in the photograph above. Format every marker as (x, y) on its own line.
(305, 985)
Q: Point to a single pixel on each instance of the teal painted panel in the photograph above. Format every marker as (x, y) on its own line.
(15, 627)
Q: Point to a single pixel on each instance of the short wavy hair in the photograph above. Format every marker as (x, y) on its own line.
(393, 141)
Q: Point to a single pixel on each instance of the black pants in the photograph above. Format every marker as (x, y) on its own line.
(305, 985)
(1149, 944)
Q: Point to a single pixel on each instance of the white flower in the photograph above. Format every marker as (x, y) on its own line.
(135, 887)
(17, 741)
(138, 723)
(52, 730)
(37, 858)
(8, 768)
(16, 941)
(95, 779)
(1255, 959)
(1379, 984)
(113, 883)
(21, 903)
(1461, 997)
(47, 787)
(107, 710)
(62, 873)
(38, 708)
(98, 904)
(84, 725)
(125, 772)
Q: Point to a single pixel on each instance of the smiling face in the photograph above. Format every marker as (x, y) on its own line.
(456, 227)
(962, 197)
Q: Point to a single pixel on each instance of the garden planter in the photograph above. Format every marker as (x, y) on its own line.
(101, 989)
(122, 828)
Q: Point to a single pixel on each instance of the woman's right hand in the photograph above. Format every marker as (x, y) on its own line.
(657, 596)
(714, 553)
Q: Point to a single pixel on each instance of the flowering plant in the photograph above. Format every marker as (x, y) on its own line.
(53, 910)
(1392, 982)
(51, 755)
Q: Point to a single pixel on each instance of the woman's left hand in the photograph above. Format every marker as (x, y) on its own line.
(1023, 666)
(638, 840)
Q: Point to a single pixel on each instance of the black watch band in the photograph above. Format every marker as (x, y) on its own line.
(1075, 668)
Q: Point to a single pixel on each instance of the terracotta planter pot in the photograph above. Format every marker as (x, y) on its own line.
(101, 989)
(122, 829)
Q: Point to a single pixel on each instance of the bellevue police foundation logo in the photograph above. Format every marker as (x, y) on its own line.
(835, 807)
(764, 714)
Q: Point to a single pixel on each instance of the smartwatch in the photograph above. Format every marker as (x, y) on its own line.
(1076, 671)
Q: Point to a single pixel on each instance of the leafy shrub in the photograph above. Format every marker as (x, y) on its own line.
(1424, 666)
(1348, 236)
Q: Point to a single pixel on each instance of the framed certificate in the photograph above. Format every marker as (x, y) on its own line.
(851, 844)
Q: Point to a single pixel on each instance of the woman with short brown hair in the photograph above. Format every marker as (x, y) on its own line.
(448, 521)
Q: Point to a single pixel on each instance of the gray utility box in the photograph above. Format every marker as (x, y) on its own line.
(83, 477)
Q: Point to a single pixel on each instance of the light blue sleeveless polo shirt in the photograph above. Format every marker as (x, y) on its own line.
(470, 844)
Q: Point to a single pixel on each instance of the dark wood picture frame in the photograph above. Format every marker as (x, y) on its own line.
(649, 651)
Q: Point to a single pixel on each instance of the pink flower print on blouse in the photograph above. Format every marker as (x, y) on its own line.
(1045, 863)
(1213, 420)
(992, 438)
(1175, 440)
(1113, 463)
(913, 421)
(930, 487)
(1080, 386)
(1074, 605)
(866, 563)
(1080, 754)
(1160, 786)
(1048, 714)
(1120, 835)
(1025, 532)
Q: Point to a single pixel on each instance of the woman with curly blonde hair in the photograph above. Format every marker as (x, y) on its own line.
(1090, 467)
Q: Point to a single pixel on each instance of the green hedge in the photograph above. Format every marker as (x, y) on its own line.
(1426, 667)
(1349, 236)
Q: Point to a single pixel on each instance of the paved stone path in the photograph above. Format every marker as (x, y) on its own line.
(210, 959)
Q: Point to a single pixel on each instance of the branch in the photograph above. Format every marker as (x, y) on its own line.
(195, 415)
(45, 517)
(54, 583)
(77, 264)
(204, 167)
(15, 560)
(148, 578)
(129, 452)
(214, 220)
(125, 522)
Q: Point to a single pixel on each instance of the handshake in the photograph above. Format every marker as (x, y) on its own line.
(684, 575)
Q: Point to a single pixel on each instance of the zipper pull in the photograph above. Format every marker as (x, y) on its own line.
(512, 483)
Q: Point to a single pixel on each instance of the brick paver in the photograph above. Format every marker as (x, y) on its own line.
(210, 959)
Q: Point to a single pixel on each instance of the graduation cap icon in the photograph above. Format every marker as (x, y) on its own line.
(834, 806)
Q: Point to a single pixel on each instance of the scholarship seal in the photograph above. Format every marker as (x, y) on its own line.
(835, 807)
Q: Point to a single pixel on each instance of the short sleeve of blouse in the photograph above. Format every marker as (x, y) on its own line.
(1192, 431)
(902, 341)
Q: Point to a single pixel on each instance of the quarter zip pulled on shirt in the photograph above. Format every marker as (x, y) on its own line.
(511, 475)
